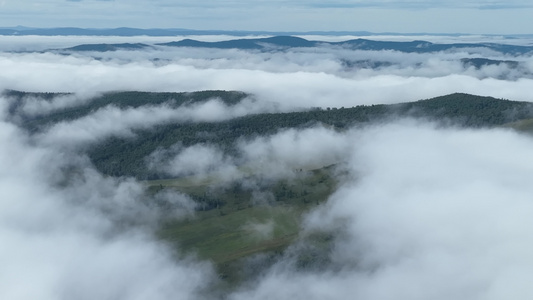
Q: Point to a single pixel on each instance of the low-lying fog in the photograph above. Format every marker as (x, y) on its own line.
(429, 212)
(302, 77)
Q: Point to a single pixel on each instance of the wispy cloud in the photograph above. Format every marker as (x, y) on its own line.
(425, 208)
(428, 212)
(322, 77)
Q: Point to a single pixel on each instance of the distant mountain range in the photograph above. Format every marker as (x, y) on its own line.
(277, 43)
(127, 31)
(461, 109)
(108, 47)
(280, 40)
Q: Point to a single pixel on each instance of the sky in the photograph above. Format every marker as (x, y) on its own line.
(435, 16)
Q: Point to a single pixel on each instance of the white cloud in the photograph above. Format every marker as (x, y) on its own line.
(200, 161)
(35, 106)
(296, 78)
(66, 243)
(280, 155)
(287, 151)
(433, 214)
(103, 123)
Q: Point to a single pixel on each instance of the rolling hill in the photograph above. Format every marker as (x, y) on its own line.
(121, 156)
(229, 227)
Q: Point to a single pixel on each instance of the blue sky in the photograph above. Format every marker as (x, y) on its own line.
(404, 16)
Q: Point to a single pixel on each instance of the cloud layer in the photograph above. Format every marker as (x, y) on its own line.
(434, 213)
(76, 237)
(427, 212)
(103, 123)
(297, 78)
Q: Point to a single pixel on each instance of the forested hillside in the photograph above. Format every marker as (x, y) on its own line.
(121, 156)
(39, 121)
(242, 224)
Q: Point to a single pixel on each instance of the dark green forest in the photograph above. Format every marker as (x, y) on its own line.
(120, 156)
(117, 99)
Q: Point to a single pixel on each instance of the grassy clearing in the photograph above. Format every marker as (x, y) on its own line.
(238, 226)
(522, 125)
(231, 236)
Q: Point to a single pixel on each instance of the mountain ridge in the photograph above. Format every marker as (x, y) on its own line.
(460, 109)
(284, 42)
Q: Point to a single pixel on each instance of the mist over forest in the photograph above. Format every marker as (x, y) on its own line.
(260, 167)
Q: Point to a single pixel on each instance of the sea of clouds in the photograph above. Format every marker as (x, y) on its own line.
(302, 77)
(427, 212)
